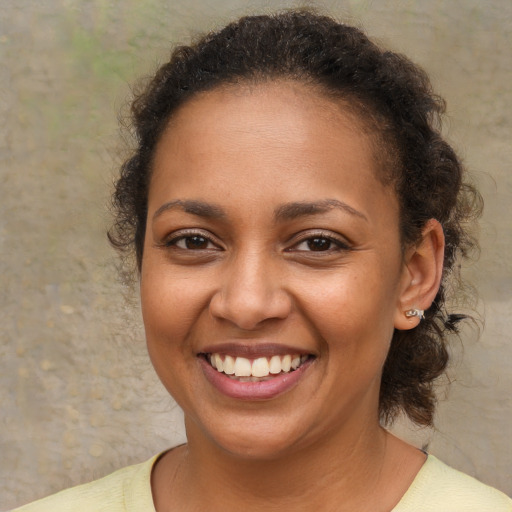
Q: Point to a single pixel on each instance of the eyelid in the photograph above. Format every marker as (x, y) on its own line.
(180, 234)
(341, 242)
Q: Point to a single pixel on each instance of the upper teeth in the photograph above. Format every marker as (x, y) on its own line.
(260, 367)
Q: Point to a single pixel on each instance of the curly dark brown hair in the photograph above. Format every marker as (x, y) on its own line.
(395, 99)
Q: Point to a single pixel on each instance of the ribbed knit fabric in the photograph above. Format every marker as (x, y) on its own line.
(436, 488)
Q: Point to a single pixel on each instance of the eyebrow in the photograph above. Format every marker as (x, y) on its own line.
(199, 208)
(290, 211)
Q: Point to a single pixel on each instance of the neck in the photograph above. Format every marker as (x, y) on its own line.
(206, 477)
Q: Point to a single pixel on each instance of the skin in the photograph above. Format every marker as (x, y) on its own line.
(242, 155)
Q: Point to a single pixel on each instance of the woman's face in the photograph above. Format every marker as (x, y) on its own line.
(270, 242)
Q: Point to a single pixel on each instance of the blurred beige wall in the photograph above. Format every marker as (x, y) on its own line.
(78, 397)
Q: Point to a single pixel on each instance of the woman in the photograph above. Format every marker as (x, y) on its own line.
(296, 218)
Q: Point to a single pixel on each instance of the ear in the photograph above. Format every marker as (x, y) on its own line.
(421, 276)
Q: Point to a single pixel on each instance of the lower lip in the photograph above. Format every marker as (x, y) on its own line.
(262, 390)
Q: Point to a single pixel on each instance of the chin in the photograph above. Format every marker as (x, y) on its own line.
(249, 438)
(263, 448)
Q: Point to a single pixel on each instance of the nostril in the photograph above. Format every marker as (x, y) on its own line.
(249, 308)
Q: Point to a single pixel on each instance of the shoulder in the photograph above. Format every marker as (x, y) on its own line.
(440, 487)
(125, 490)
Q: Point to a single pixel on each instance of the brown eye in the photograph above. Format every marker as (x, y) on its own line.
(196, 242)
(319, 244)
(192, 242)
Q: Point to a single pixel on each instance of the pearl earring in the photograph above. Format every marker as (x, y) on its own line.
(415, 312)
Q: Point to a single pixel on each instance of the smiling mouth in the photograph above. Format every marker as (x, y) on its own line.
(256, 370)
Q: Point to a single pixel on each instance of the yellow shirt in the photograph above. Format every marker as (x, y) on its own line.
(436, 488)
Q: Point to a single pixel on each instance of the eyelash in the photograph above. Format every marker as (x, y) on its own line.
(183, 236)
(339, 245)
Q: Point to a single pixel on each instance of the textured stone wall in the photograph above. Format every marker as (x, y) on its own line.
(78, 397)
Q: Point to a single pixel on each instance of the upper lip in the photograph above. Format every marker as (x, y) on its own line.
(253, 350)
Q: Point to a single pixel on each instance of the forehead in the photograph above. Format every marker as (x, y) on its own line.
(300, 100)
(270, 133)
(286, 109)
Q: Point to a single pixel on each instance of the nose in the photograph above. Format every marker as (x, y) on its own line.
(252, 292)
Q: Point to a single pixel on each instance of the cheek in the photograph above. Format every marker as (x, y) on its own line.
(168, 319)
(170, 305)
(351, 311)
(348, 295)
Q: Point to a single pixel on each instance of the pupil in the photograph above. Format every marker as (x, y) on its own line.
(319, 244)
(196, 242)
